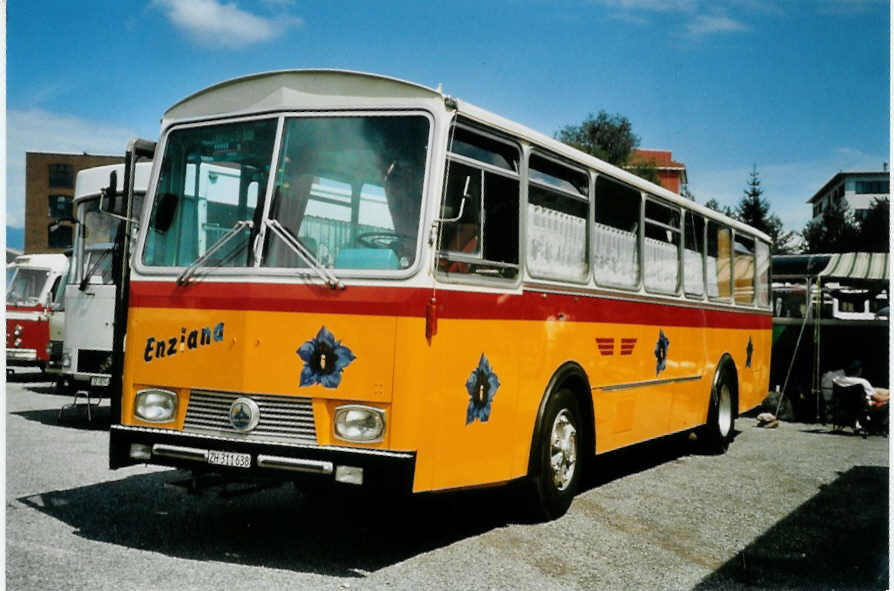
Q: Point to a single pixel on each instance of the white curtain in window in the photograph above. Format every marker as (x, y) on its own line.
(557, 244)
(661, 265)
(615, 256)
(692, 272)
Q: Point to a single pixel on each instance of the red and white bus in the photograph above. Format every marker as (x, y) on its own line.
(29, 296)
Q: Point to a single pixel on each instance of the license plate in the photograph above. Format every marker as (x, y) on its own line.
(228, 458)
(100, 380)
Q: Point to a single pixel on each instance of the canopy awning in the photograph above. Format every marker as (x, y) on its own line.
(857, 267)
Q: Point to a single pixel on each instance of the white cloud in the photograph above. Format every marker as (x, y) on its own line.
(36, 130)
(787, 185)
(710, 25)
(699, 17)
(214, 24)
(652, 5)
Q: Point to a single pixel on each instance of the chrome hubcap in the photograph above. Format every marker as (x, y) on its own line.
(725, 411)
(563, 450)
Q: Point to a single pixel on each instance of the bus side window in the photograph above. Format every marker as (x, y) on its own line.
(744, 269)
(478, 232)
(718, 262)
(558, 209)
(616, 237)
(693, 253)
(762, 254)
(662, 247)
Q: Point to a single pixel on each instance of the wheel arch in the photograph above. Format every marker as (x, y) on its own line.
(726, 363)
(570, 375)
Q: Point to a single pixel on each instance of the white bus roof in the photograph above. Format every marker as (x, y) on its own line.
(91, 181)
(56, 262)
(332, 89)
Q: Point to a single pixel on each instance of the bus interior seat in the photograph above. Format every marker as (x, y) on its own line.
(366, 258)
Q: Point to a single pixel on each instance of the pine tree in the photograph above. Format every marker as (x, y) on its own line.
(754, 210)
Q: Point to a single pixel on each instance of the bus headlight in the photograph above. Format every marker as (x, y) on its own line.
(17, 331)
(155, 405)
(358, 423)
(66, 359)
(17, 342)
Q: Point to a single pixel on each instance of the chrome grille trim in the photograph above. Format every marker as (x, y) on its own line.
(283, 418)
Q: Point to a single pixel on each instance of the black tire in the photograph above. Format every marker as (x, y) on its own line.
(65, 386)
(554, 486)
(722, 412)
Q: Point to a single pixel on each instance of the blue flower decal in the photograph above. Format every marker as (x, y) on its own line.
(482, 386)
(324, 360)
(661, 352)
(749, 349)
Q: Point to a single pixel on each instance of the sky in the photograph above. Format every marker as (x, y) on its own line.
(798, 89)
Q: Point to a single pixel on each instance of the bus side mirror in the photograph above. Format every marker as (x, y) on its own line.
(165, 210)
(53, 226)
(108, 197)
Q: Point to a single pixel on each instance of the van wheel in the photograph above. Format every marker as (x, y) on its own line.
(558, 459)
(718, 431)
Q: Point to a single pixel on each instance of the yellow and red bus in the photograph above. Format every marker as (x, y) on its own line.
(360, 281)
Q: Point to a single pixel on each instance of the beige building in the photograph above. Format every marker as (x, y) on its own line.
(49, 190)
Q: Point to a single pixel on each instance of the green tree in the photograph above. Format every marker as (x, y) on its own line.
(835, 231)
(715, 205)
(607, 137)
(874, 228)
(754, 210)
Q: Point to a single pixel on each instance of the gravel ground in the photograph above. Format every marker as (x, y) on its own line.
(793, 507)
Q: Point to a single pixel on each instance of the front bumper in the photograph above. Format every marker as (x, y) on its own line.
(316, 465)
(21, 356)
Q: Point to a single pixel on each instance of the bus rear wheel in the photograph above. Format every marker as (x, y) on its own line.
(557, 459)
(718, 432)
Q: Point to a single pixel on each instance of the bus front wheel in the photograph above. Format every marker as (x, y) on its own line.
(718, 431)
(558, 461)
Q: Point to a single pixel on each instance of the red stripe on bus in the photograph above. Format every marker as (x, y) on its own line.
(411, 302)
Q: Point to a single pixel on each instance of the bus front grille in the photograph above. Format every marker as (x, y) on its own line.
(282, 418)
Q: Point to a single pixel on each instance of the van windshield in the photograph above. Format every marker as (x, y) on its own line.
(26, 286)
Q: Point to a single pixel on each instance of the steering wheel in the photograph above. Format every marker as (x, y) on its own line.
(383, 239)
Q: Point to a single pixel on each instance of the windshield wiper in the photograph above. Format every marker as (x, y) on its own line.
(304, 254)
(188, 272)
(86, 280)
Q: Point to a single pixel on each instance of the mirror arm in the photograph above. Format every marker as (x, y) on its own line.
(462, 205)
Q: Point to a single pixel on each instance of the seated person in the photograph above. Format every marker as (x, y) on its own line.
(876, 397)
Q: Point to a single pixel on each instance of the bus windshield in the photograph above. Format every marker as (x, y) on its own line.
(211, 177)
(348, 188)
(26, 286)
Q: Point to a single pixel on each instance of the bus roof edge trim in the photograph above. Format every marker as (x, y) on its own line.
(231, 98)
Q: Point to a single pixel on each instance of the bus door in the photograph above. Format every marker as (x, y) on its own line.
(479, 331)
(691, 394)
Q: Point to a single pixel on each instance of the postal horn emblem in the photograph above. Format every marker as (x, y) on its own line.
(244, 414)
